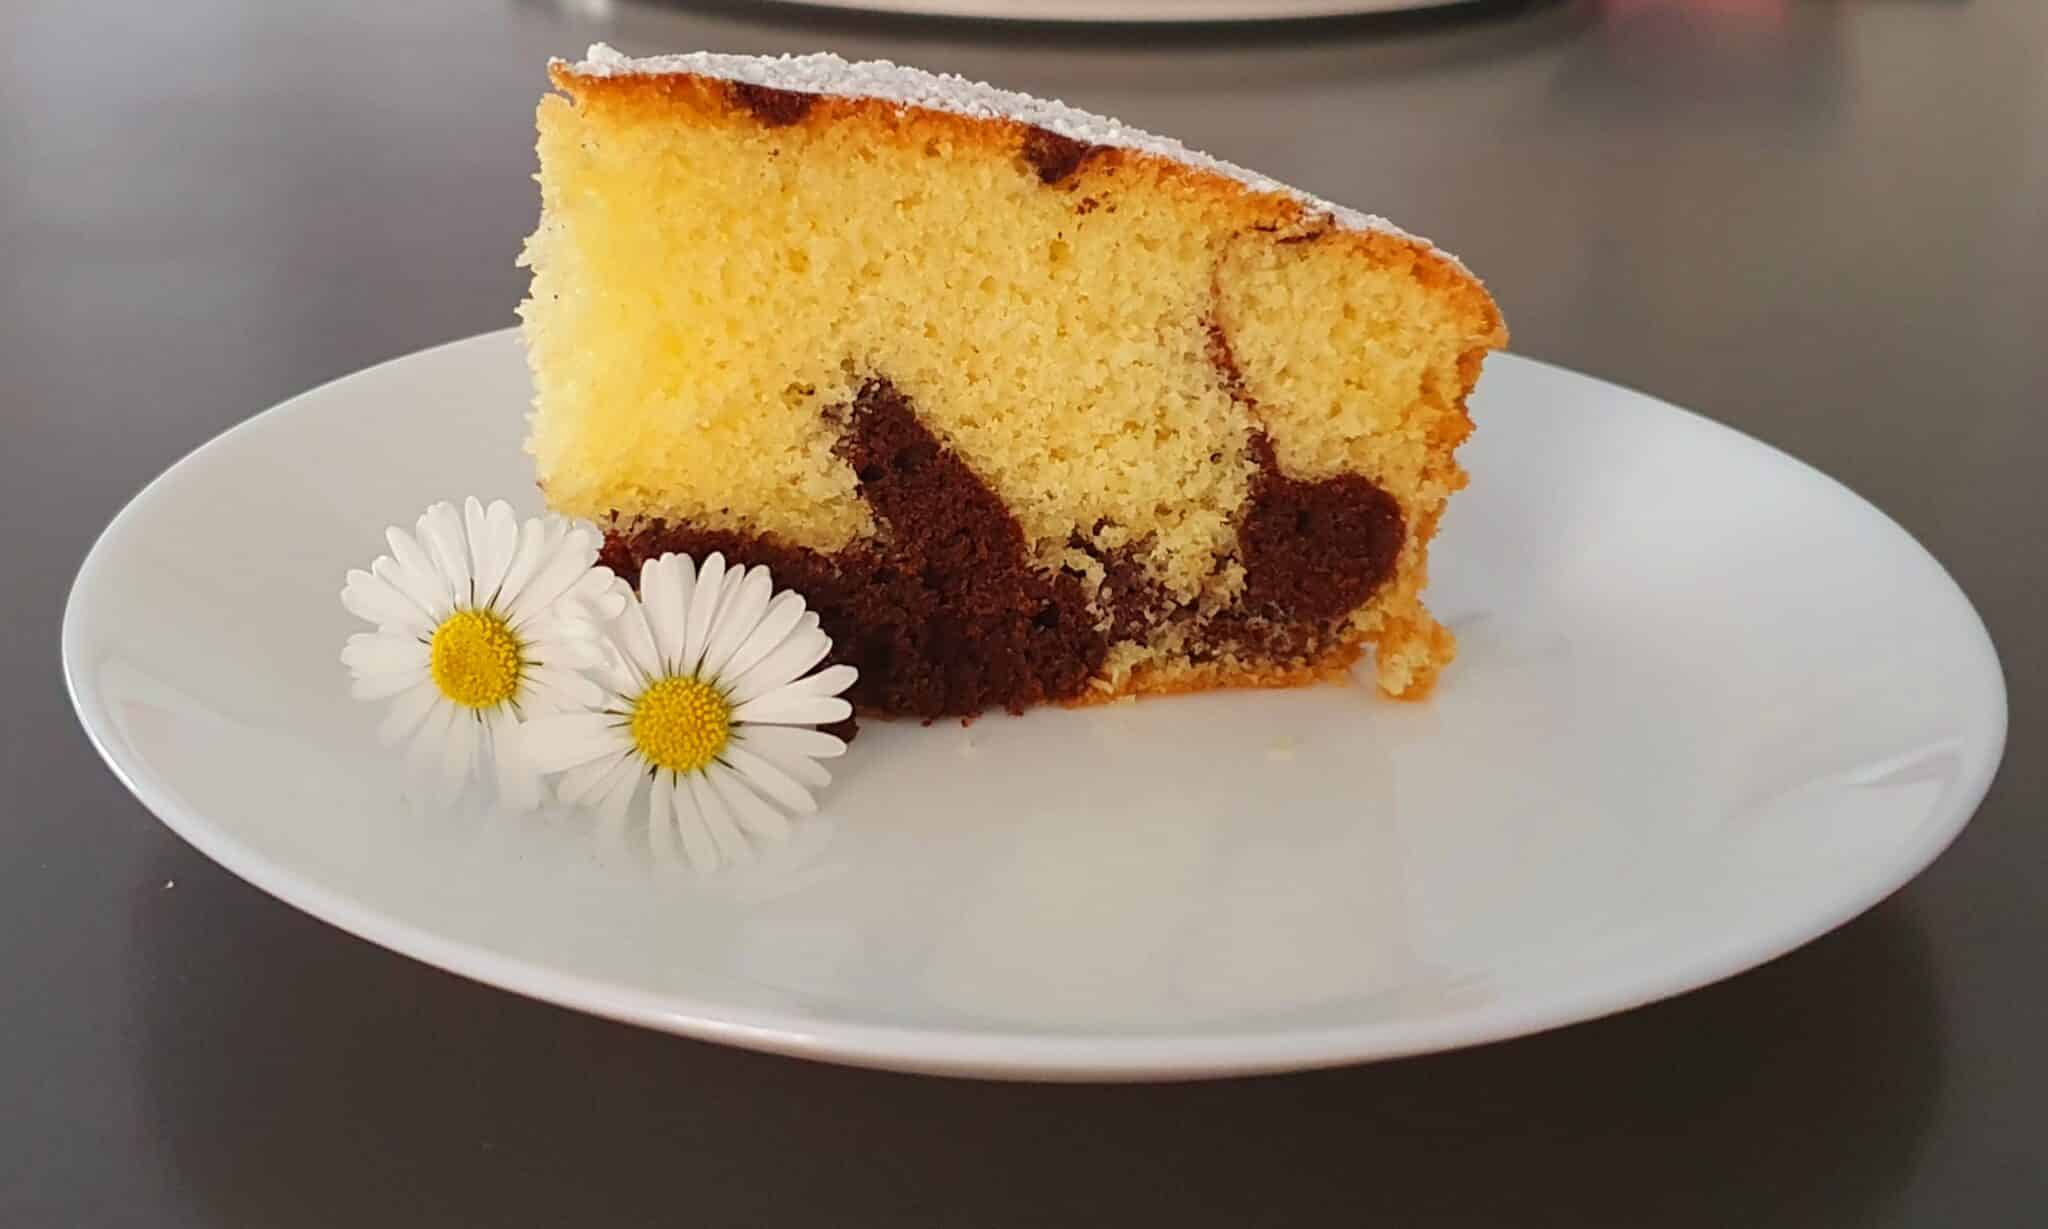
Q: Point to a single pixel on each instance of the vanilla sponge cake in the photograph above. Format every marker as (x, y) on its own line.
(1031, 406)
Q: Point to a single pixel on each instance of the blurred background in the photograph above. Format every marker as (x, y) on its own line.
(1821, 221)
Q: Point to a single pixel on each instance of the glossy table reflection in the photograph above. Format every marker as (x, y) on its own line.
(1818, 222)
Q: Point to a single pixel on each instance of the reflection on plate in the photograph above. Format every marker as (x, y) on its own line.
(1710, 704)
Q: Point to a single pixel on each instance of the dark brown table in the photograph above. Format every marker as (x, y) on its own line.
(1825, 223)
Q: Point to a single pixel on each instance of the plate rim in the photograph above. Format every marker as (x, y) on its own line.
(1037, 1056)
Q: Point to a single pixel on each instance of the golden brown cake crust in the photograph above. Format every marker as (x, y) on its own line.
(1168, 680)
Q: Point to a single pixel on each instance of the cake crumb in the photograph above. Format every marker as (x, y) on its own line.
(1281, 751)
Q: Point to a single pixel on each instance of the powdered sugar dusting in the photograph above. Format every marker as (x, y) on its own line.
(824, 73)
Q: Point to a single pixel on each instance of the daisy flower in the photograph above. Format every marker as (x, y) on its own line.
(481, 621)
(708, 702)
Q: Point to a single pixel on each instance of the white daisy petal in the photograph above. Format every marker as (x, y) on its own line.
(518, 783)
(473, 542)
(567, 650)
(665, 587)
(827, 682)
(773, 628)
(697, 842)
(382, 685)
(634, 639)
(600, 595)
(562, 569)
(755, 816)
(736, 620)
(785, 742)
(703, 605)
(425, 747)
(808, 773)
(728, 590)
(563, 623)
(725, 835)
(378, 652)
(535, 684)
(613, 827)
(806, 647)
(784, 708)
(440, 529)
(493, 540)
(661, 819)
(620, 678)
(616, 800)
(596, 594)
(426, 591)
(458, 751)
(566, 684)
(526, 560)
(536, 702)
(793, 755)
(424, 580)
(407, 711)
(537, 698)
(769, 779)
(562, 741)
(375, 600)
(586, 782)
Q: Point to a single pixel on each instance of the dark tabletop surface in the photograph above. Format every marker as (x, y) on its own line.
(1824, 223)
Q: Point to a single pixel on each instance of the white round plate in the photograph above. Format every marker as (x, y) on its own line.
(1710, 704)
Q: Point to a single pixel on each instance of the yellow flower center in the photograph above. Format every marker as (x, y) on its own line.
(681, 724)
(475, 659)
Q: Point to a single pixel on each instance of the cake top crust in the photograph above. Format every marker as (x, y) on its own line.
(826, 74)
